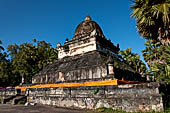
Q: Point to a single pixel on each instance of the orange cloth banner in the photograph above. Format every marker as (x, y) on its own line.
(89, 83)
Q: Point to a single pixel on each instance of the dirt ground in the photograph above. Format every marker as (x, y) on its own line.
(4, 108)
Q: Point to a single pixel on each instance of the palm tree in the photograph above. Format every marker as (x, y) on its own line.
(152, 18)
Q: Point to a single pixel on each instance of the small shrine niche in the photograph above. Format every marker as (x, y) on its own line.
(110, 66)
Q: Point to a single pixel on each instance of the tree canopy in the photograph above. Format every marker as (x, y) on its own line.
(25, 60)
(133, 60)
(4, 66)
(152, 17)
(157, 57)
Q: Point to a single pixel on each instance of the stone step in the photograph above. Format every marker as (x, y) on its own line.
(8, 102)
(13, 99)
(18, 98)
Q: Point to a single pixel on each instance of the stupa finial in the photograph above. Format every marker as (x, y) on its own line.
(88, 18)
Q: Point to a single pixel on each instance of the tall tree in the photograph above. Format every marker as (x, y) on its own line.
(152, 18)
(133, 60)
(157, 57)
(152, 52)
(4, 67)
(1, 53)
(1, 48)
(27, 58)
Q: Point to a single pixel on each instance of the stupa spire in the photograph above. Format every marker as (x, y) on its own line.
(87, 18)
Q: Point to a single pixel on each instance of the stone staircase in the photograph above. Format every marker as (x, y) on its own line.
(9, 102)
(8, 99)
(14, 99)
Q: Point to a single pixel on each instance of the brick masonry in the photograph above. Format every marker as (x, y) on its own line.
(131, 97)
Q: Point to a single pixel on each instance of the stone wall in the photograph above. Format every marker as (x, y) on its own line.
(87, 44)
(88, 67)
(73, 69)
(131, 98)
(7, 92)
(73, 76)
(78, 46)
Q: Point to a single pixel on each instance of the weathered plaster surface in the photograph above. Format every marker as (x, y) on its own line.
(87, 67)
(131, 98)
(7, 92)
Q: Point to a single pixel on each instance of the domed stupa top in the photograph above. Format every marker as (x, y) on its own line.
(87, 27)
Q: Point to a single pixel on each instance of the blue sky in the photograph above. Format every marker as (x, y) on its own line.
(55, 20)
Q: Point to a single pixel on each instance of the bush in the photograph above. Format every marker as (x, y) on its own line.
(21, 102)
(109, 110)
(167, 110)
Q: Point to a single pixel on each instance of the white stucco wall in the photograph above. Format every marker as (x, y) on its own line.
(79, 47)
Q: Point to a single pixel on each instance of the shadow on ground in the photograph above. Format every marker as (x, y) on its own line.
(4, 108)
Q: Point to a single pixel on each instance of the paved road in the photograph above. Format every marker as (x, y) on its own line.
(4, 108)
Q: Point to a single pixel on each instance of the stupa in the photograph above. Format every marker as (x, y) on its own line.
(89, 55)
